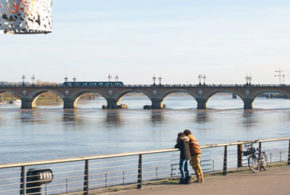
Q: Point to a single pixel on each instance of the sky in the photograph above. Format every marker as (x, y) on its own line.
(175, 39)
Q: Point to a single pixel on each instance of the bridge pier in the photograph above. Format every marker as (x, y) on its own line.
(27, 103)
(112, 104)
(156, 103)
(248, 103)
(201, 103)
(69, 103)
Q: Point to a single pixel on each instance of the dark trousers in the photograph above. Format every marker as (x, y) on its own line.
(183, 167)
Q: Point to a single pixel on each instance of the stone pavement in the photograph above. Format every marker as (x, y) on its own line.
(274, 181)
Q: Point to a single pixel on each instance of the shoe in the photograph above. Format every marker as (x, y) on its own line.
(187, 180)
(181, 181)
(200, 180)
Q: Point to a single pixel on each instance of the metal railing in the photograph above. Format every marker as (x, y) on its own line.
(81, 175)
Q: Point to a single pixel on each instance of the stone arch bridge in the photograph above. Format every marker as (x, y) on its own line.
(156, 93)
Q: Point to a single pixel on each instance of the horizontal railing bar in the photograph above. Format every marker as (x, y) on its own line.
(10, 184)
(84, 158)
(10, 165)
(245, 142)
(117, 166)
(61, 184)
(115, 182)
(152, 175)
(9, 172)
(11, 190)
(8, 178)
(116, 171)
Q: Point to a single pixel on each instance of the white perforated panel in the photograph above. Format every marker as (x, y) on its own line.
(25, 16)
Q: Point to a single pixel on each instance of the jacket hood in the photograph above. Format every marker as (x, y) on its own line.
(184, 138)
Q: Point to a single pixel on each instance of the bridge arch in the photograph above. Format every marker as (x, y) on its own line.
(34, 96)
(221, 102)
(186, 94)
(260, 92)
(141, 102)
(36, 93)
(268, 100)
(77, 96)
(13, 92)
(12, 95)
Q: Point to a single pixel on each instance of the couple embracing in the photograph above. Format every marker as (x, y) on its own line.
(189, 151)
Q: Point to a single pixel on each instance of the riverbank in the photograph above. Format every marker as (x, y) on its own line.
(273, 181)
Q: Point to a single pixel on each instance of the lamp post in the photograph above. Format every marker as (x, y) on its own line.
(154, 79)
(109, 77)
(74, 79)
(116, 78)
(65, 79)
(204, 77)
(199, 79)
(159, 79)
(33, 78)
(248, 80)
(23, 79)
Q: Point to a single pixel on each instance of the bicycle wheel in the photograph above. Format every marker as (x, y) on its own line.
(253, 163)
(263, 161)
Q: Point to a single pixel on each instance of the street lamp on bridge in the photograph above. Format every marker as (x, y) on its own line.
(109, 77)
(199, 79)
(248, 80)
(23, 79)
(65, 79)
(116, 78)
(204, 77)
(160, 79)
(74, 79)
(33, 78)
(154, 79)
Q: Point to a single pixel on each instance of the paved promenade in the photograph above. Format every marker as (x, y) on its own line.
(274, 181)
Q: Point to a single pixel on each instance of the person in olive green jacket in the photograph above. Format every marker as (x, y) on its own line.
(195, 156)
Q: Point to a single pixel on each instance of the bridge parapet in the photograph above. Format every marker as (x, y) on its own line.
(148, 85)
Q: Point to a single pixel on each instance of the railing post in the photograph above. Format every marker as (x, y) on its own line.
(240, 155)
(289, 153)
(22, 181)
(260, 150)
(139, 181)
(86, 178)
(225, 160)
(156, 173)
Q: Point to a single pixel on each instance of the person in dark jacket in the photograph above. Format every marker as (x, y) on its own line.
(183, 145)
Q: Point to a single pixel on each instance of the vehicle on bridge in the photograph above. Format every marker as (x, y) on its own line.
(92, 83)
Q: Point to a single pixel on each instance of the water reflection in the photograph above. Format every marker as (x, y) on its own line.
(157, 116)
(249, 119)
(202, 116)
(113, 118)
(30, 116)
(71, 115)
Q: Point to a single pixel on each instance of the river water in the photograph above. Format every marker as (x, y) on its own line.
(49, 132)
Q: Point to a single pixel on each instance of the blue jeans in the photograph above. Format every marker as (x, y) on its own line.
(183, 167)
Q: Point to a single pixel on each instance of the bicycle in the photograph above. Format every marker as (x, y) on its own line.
(257, 159)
